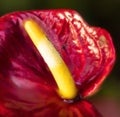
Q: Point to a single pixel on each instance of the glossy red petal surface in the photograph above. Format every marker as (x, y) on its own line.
(88, 51)
(25, 80)
(55, 108)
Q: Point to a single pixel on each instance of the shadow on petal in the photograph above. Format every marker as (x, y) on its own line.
(63, 109)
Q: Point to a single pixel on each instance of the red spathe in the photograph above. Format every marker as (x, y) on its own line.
(26, 84)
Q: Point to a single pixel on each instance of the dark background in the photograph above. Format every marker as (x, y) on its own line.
(103, 13)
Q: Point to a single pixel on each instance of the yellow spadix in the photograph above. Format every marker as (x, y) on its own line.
(58, 68)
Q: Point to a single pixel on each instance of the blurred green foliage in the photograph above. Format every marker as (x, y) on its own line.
(104, 13)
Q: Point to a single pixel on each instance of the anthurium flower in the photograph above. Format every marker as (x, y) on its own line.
(49, 62)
